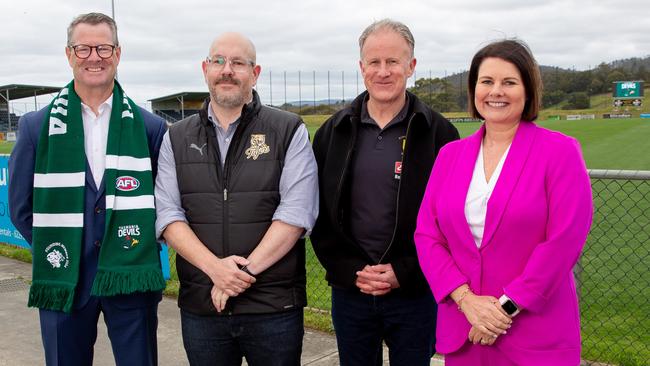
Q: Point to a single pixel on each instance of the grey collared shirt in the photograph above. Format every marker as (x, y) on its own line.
(298, 182)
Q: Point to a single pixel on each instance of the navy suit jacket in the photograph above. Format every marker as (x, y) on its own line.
(21, 182)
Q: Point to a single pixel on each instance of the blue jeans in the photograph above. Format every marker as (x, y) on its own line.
(263, 339)
(406, 323)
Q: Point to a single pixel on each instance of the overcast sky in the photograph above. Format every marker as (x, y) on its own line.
(163, 42)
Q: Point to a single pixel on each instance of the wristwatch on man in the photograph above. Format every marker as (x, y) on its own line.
(508, 305)
(246, 270)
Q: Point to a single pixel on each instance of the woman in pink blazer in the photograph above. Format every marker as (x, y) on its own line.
(502, 223)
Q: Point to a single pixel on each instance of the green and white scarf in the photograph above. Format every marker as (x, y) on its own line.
(128, 257)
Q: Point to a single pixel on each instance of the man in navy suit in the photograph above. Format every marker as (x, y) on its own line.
(93, 52)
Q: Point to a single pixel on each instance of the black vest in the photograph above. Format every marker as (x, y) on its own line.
(231, 208)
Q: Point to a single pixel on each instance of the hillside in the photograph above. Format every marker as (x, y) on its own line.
(599, 105)
(566, 88)
(627, 66)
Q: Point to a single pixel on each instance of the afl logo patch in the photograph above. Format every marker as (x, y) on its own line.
(126, 183)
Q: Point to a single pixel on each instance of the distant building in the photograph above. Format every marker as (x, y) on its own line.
(177, 106)
(8, 119)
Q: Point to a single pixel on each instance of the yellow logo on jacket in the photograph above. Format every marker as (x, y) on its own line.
(258, 147)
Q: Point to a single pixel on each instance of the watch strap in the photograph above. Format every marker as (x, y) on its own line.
(246, 270)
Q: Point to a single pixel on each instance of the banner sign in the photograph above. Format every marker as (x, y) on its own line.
(464, 119)
(617, 115)
(8, 232)
(628, 102)
(576, 117)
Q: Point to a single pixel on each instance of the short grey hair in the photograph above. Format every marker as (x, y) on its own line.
(93, 19)
(391, 25)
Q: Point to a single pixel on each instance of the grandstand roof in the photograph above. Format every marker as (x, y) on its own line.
(187, 96)
(19, 91)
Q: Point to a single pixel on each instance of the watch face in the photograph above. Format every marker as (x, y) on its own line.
(509, 307)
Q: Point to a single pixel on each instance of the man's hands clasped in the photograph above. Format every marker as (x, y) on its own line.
(377, 280)
(228, 280)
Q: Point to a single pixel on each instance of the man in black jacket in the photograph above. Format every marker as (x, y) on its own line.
(235, 193)
(374, 160)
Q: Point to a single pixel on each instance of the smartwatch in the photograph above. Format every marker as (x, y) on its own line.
(508, 305)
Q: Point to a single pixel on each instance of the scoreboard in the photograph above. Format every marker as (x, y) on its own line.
(628, 93)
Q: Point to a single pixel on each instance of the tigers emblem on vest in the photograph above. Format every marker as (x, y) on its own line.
(258, 147)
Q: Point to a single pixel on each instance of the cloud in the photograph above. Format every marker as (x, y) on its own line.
(164, 41)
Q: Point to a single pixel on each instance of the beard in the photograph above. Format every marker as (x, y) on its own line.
(235, 99)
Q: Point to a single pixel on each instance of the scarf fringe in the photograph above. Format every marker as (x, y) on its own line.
(47, 296)
(118, 282)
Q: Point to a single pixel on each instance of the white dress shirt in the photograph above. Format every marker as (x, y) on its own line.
(478, 195)
(96, 137)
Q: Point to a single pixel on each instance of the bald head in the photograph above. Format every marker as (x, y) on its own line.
(233, 41)
(231, 72)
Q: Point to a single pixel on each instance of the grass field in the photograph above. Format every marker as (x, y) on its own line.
(5, 147)
(615, 286)
(606, 143)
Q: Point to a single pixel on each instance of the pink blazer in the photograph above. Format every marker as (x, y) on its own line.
(538, 218)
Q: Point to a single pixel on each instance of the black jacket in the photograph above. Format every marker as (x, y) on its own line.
(333, 145)
(231, 208)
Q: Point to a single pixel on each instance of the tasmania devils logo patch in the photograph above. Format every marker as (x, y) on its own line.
(126, 183)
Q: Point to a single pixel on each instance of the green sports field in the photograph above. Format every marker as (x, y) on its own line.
(606, 143)
(5, 147)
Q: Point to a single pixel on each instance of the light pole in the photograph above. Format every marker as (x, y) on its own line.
(113, 16)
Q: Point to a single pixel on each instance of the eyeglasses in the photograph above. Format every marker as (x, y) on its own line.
(236, 64)
(83, 51)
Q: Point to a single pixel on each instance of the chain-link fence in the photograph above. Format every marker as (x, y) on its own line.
(613, 273)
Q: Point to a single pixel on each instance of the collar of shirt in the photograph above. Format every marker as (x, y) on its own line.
(400, 117)
(106, 106)
(215, 121)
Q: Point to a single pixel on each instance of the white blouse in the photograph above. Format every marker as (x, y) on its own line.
(479, 193)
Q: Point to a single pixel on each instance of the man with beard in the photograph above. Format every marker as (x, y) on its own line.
(81, 193)
(236, 191)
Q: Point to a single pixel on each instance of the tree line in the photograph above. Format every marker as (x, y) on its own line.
(563, 88)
